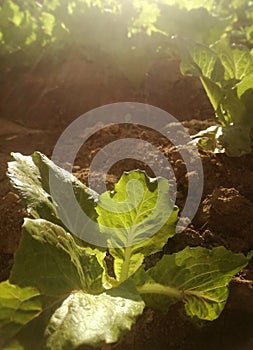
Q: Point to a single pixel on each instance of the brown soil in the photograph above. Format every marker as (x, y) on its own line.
(38, 103)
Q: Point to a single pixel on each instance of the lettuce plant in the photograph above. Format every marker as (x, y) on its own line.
(226, 73)
(63, 293)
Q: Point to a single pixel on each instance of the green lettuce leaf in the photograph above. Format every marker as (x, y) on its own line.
(139, 216)
(197, 276)
(64, 183)
(236, 60)
(29, 176)
(92, 319)
(68, 279)
(25, 179)
(18, 307)
(246, 84)
(49, 259)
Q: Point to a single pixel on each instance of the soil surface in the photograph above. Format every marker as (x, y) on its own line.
(36, 106)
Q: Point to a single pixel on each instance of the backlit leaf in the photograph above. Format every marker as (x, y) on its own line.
(197, 276)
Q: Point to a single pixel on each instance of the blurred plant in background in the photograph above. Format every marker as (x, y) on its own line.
(213, 39)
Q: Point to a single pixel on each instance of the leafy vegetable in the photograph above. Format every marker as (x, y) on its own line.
(226, 74)
(61, 295)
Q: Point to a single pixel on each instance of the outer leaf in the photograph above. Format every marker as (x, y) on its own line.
(75, 214)
(244, 85)
(91, 319)
(205, 61)
(18, 307)
(135, 215)
(245, 93)
(49, 259)
(85, 197)
(214, 93)
(233, 108)
(197, 276)
(25, 179)
(236, 60)
(32, 335)
(236, 139)
(29, 175)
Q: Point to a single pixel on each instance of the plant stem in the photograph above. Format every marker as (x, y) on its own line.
(159, 289)
(125, 265)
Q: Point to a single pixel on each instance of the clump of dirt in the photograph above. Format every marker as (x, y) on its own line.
(229, 215)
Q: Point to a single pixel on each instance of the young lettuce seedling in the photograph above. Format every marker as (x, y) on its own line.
(60, 294)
